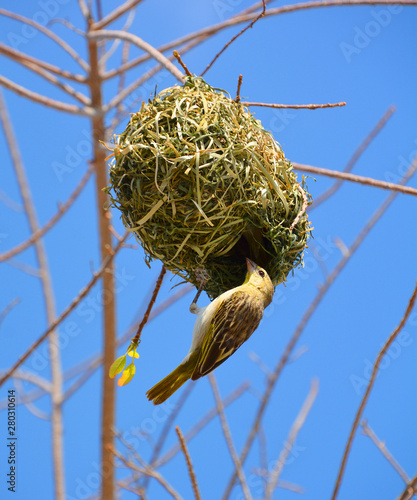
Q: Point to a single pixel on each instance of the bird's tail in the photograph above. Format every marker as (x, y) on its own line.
(172, 382)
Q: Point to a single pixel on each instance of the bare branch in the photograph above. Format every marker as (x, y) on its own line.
(156, 54)
(371, 382)
(239, 84)
(295, 106)
(64, 45)
(384, 450)
(136, 338)
(289, 442)
(181, 63)
(32, 378)
(85, 11)
(68, 25)
(116, 43)
(117, 12)
(410, 491)
(48, 293)
(46, 101)
(228, 437)
(18, 56)
(11, 305)
(25, 268)
(109, 311)
(61, 211)
(20, 392)
(55, 81)
(189, 463)
(367, 181)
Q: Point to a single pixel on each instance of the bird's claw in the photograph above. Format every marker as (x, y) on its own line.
(201, 275)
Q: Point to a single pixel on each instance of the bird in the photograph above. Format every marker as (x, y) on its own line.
(220, 329)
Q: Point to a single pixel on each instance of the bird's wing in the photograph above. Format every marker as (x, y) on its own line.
(233, 323)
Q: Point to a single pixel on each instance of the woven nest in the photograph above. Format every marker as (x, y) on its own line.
(202, 185)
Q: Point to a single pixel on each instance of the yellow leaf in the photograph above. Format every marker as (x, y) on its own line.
(127, 375)
(117, 366)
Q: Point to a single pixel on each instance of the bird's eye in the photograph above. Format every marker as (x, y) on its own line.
(261, 273)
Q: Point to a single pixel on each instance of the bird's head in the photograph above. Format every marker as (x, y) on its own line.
(260, 280)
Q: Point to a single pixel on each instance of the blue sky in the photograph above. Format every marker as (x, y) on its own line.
(363, 55)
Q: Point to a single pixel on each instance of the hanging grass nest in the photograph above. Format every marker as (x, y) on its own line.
(202, 185)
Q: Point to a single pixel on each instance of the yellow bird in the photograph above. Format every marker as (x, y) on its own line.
(220, 329)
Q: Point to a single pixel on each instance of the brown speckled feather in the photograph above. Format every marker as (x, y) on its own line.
(238, 315)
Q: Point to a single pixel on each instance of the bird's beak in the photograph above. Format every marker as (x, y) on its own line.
(251, 265)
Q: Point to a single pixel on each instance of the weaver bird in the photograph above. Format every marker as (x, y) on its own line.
(220, 329)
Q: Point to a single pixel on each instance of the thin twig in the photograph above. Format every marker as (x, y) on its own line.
(116, 43)
(117, 12)
(289, 442)
(136, 338)
(228, 437)
(234, 38)
(61, 211)
(295, 106)
(384, 450)
(85, 10)
(410, 491)
(181, 62)
(272, 380)
(25, 268)
(239, 84)
(11, 305)
(263, 448)
(20, 393)
(75, 302)
(189, 463)
(355, 157)
(371, 382)
(68, 25)
(367, 181)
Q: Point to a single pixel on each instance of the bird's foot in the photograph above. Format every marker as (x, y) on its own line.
(202, 277)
